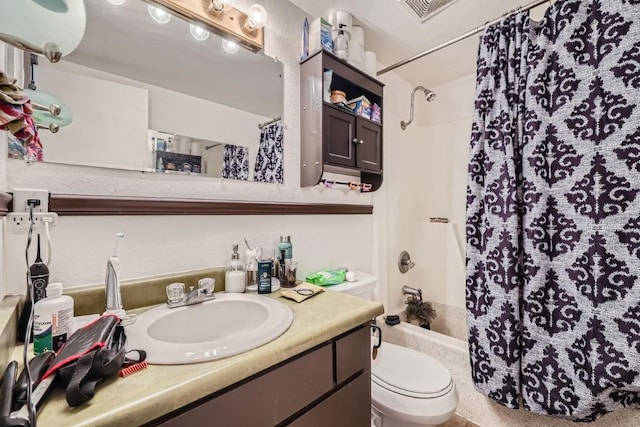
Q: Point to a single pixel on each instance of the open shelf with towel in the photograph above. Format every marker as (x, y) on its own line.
(335, 138)
(177, 162)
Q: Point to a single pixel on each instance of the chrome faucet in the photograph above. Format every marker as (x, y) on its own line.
(416, 293)
(194, 296)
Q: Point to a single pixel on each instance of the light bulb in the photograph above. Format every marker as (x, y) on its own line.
(159, 15)
(256, 17)
(218, 6)
(198, 33)
(117, 2)
(230, 46)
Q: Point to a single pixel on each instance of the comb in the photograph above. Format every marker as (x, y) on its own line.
(133, 368)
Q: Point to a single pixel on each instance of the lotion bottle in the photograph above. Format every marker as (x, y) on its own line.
(53, 320)
(235, 278)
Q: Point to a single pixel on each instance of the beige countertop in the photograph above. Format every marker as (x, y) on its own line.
(159, 390)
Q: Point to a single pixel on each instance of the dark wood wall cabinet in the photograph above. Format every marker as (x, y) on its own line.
(330, 385)
(333, 138)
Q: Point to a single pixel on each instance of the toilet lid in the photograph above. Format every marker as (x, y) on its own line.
(410, 373)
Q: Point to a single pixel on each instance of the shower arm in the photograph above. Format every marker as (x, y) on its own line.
(428, 94)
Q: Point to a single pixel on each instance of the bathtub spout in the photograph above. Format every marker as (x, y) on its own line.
(408, 290)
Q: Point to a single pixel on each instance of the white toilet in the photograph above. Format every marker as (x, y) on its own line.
(408, 388)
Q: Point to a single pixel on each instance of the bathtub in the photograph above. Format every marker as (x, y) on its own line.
(447, 342)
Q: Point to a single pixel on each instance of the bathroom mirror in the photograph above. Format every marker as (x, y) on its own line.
(131, 74)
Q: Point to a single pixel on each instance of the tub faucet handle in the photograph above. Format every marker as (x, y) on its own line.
(415, 292)
(404, 262)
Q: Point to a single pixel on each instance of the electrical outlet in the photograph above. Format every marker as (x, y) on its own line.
(18, 223)
(21, 196)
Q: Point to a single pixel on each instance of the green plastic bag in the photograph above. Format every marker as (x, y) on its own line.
(326, 278)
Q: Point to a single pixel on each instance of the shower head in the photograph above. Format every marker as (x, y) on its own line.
(429, 95)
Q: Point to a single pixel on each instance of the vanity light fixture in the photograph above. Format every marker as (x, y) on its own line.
(219, 6)
(256, 18)
(198, 32)
(230, 46)
(220, 17)
(159, 15)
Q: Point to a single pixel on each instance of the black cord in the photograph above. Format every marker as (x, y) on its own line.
(25, 350)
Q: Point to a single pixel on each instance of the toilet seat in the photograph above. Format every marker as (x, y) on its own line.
(411, 373)
(412, 387)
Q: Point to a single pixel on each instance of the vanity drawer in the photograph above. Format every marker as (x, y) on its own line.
(353, 354)
(348, 407)
(268, 399)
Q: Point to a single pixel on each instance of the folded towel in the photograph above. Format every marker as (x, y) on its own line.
(10, 92)
(16, 116)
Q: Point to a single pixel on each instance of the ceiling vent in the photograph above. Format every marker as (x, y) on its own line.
(423, 10)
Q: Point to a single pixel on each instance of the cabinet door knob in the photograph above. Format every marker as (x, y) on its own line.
(361, 142)
(355, 140)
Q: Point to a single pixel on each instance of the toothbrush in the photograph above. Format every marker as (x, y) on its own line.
(113, 298)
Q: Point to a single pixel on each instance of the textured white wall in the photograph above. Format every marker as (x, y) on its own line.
(165, 244)
(440, 261)
(156, 245)
(395, 205)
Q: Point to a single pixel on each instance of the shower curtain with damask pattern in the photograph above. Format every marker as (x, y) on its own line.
(553, 211)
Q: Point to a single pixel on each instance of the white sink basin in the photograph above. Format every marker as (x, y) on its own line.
(227, 325)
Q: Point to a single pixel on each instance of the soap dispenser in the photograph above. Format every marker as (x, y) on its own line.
(235, 278)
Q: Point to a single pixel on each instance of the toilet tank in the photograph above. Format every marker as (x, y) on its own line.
(362, 287)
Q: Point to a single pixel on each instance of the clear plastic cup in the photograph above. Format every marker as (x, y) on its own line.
(290, 270)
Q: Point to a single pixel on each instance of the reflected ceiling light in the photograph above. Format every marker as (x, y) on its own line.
(198, 33)
(117, 2)
(230, 46)
(256, 18)
(218, 6)
(159, 15)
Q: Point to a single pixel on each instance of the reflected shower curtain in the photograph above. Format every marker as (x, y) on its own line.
(235, 162)
(553, 211)
(270, 158)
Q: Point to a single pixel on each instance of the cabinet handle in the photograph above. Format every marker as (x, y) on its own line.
(361, 142)
(355, 140)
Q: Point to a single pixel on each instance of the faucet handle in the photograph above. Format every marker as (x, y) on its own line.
(175, 292)
(207, 285)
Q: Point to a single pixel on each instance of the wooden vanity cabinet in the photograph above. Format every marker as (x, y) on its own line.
(329, 385)
(334, 138)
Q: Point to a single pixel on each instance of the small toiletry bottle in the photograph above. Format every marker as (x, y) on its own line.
(341, 45)
(264, 276)
(285, 245)
(53, 320)
(235, 277)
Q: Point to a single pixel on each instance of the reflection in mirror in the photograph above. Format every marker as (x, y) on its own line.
(147, 75)
(184, 155)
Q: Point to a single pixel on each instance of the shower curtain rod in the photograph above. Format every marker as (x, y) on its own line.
(461, 37)
(269, 122)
